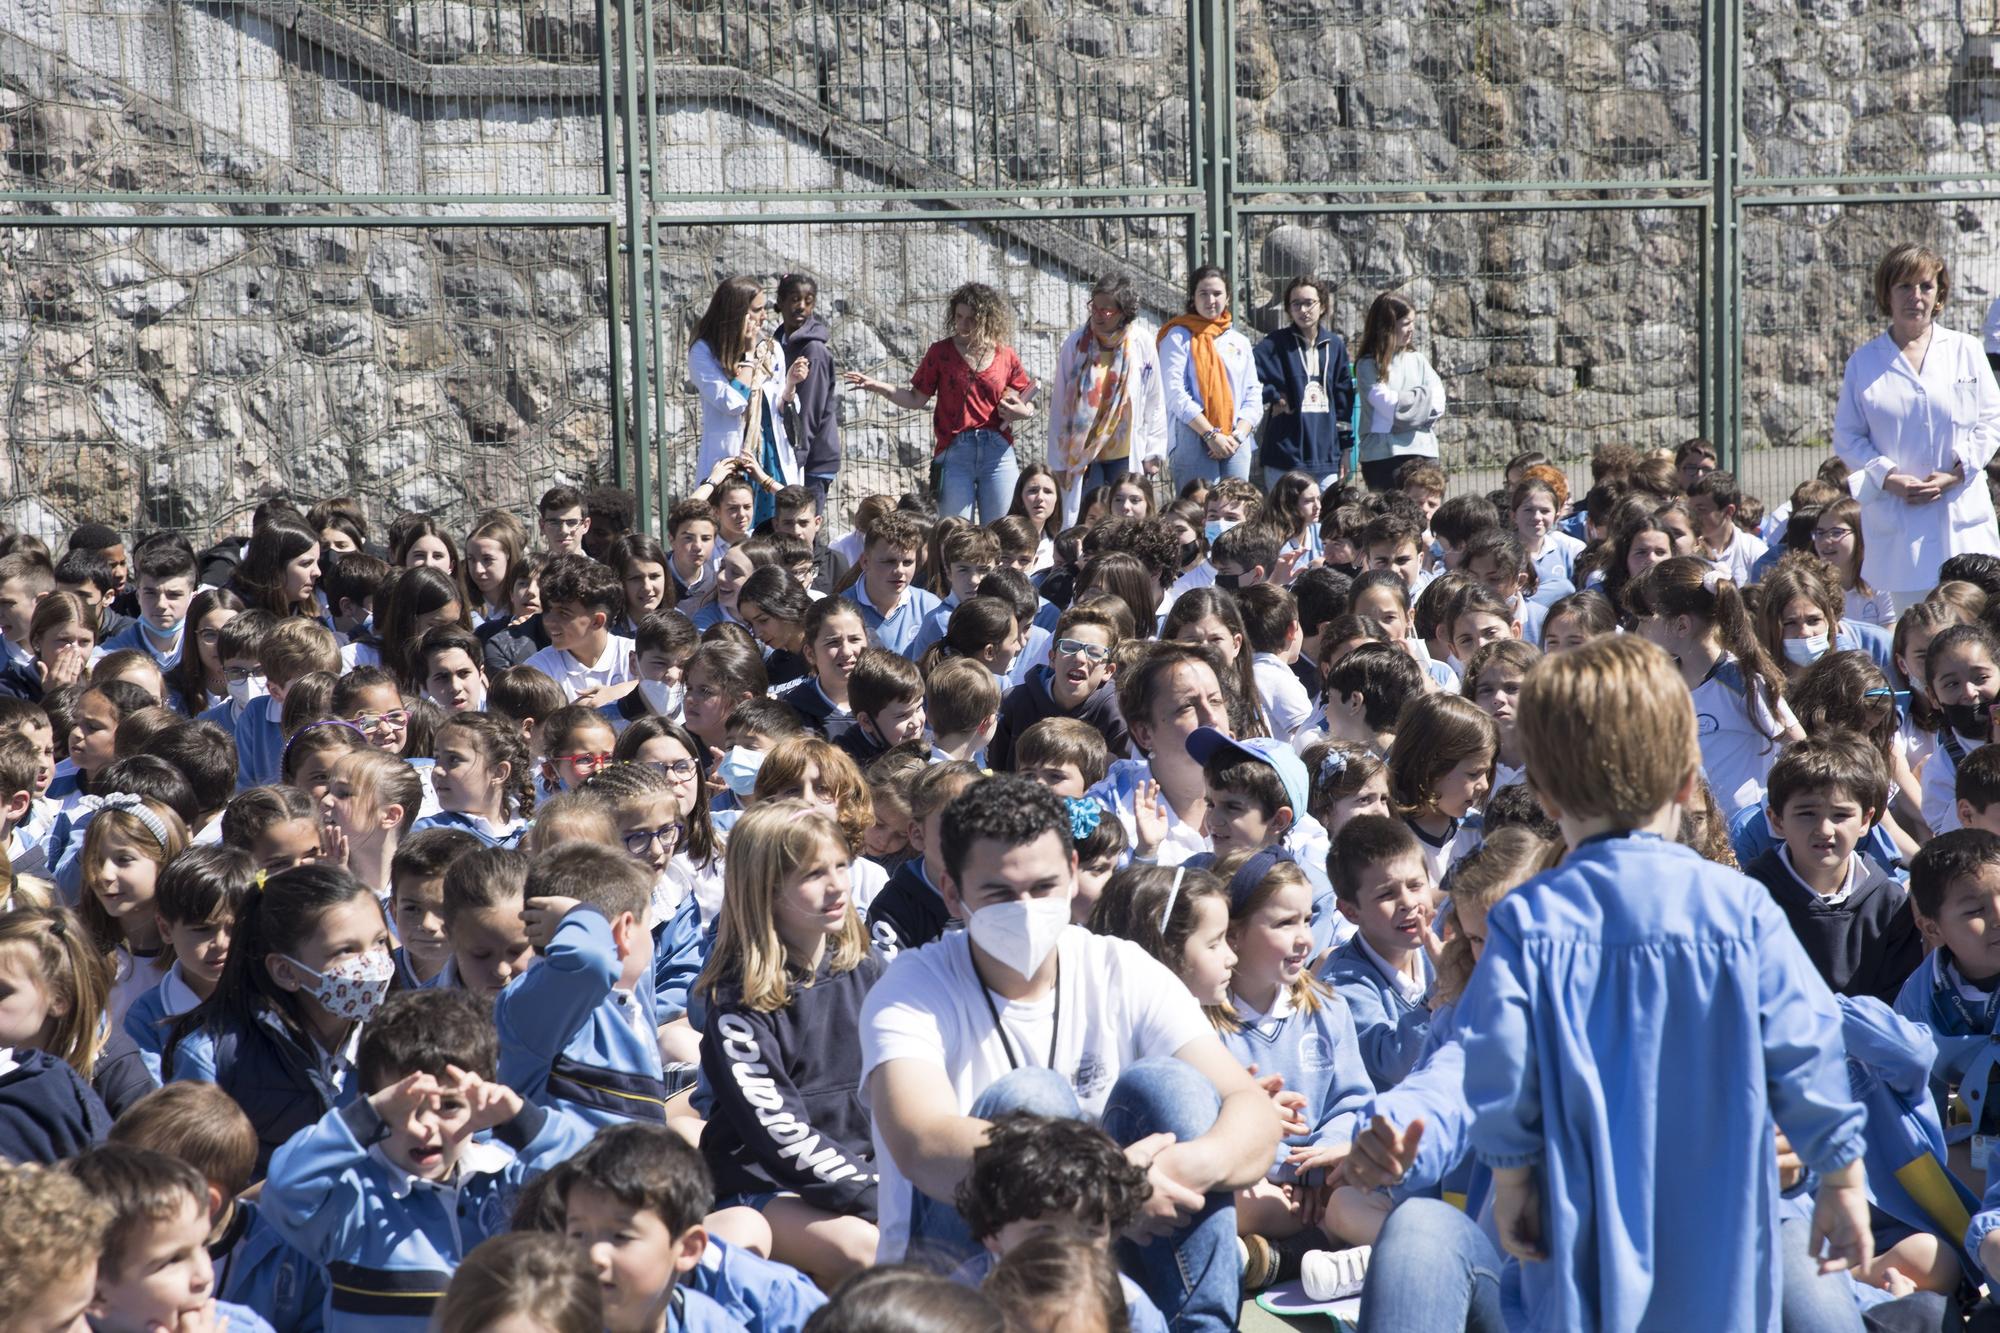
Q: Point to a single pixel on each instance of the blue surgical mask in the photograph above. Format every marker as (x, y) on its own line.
(1215, 527)
(1806, 651)
(739, 769)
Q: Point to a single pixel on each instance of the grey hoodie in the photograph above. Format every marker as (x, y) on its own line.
(818, 440)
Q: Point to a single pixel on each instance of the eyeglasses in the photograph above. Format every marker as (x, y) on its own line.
(586, 764)
(680, 770)
(1305, 303)
(563, 524)
(1089, 652)
(1832, 534)
(390, 721)
(240, 673)
(638, 840)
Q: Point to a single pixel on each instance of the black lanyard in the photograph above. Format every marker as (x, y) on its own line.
(1007, 1042)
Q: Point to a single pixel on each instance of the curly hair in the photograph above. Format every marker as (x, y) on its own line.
(785, 764)
(500, 744)
(992, 319)
(50, 1226)
(1033, 1165)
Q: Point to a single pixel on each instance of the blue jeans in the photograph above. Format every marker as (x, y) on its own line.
(1433, 1271)
(982, 462)
(1105, 472)
(1192, 1275)
(819, 483)
(1188, 457)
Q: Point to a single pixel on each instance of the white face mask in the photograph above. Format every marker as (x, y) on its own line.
(242, 692)
(1019, 935)
(1806, 651)
(662, 698)
(739, 769)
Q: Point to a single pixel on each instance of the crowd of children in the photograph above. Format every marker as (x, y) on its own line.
(1516, 910)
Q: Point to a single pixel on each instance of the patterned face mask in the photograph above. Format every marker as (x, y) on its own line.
(354, 987)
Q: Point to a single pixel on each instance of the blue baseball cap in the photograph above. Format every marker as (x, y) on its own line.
(1207, 744)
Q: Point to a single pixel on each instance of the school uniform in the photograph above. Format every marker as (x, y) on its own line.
(934, 625)
(1960, 1015)
(1285, 703)
(1633, 970)
(1034, 700)
(138, 635)
(681, 946)
(1869, 608)
(614, 666)
(1940, 779)
(47, 1112)
(1736, 560)
(1863, 939)
(758, 1293)
(1319, 1055)
(390, 1240)
(505, 644)
(406, 977)
(1738, 722)
(858, 745)
(260, 743)
(507, 835)
(152, 1015)
(817, 713)
(1555, 567)
(257, 1268)
(1458, 841)
(283, 1081)
(899, 629)
(909, 912)
(570, 1037)
(1391, 1011)
(1750, 837)
(786, 1091)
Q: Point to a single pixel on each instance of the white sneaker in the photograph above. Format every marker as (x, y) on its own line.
(1335, 1275)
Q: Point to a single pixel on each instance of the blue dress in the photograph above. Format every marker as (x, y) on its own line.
(1639, 1019)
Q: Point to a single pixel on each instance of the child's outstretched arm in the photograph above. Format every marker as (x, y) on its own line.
(319, 1182)
(1497, 1039)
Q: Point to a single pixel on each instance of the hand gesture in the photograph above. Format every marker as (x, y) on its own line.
(1318, 1157)
(1149, 817)
(716, 786)
(720, 472)
(1382, 1154)
(1291, 1105)
(856, 380)
(401, 1100)
(490, 1105)
(1171, 1203)
(1517, 1213)
(801, 369)
(68, 666)
(333, 844)
(541, 916)
(1840, 1229)
(1288, 565)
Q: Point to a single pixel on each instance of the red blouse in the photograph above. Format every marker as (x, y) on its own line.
(967, 400)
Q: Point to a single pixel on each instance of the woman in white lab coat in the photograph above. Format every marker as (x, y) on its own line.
(733, 360)
(1919, 415)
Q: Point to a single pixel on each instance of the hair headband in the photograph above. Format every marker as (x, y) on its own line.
(284, 757)
(1251, 873)
(126, 803)
(1173, 896)
(1084, 816)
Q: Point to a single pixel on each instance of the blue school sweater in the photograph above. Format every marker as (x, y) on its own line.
(760, 1294)
(681, 945)
(134, 636)
(260, 744)
(1319, 1056)
(506, 835)
(689, 1311)
(1959, 1015)
(1389, 1027)
(256, 1267)
(239, 1319)
(152, 1015)
(390, 1240)
(1612, 988)
(568, 1038)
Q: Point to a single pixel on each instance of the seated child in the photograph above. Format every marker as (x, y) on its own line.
(20, 761)
(962, 704)
(1038, 1174)
(482, 892)
(51, 1230)
(1050, 1283)
(634, 1201)
(153, 1271)
(1075, 684)
(293, 648)
(889, 780)
(580, 601)
(1064, 754)
(346, 1191)
(1976, 787)
(1955, 991)
(661, 647)
(200, 893)
(1853, 918)
(483, 779)
(755, 726)
(279, 826)
(579, 1029)
(200, 1124)
(1257, 792)
(417, 905)
(1385, 973)
(909, 912)
(886, 694)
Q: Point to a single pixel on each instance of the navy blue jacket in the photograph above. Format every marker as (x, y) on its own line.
(47, 1111)
(818, 441)
(1309, 442)
(264, 1067)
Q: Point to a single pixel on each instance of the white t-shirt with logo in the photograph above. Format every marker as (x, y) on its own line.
(1737, 727)
(1118, 1006)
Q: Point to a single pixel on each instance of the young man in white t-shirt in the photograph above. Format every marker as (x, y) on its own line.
(1022, 1011)
(580, 600)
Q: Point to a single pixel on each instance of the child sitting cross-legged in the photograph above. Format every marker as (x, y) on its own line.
(153, 1271)
(1386, 972)
(1853, 918)
(390, 1191)
(1037, 1174)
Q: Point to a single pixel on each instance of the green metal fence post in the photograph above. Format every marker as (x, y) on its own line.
(1722, 318)
(637, 256)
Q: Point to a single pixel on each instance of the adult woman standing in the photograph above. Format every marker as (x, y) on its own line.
(1401, 396)
(1111, 413)
(1210, 378)
(1308, 392)
(1919, 414)
(981, 391)
(731, 334)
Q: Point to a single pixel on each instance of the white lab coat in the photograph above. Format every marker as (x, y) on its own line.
(722, 412)
(1893, 419)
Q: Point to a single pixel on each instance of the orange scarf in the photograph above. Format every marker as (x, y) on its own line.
(1218, 402)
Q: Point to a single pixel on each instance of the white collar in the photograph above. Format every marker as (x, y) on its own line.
(1408, 987)
(474, 1159)
(176, 995)
(1835, 899)
(1281, 1009)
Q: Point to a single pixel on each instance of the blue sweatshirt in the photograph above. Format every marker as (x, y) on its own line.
(508, 835)
(762, 1296)
(260, 744)
(1319, 1056)
(1611, 988)
(257, 1268)
(391, 1240)
(1390, 1028)
(569, 1038)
